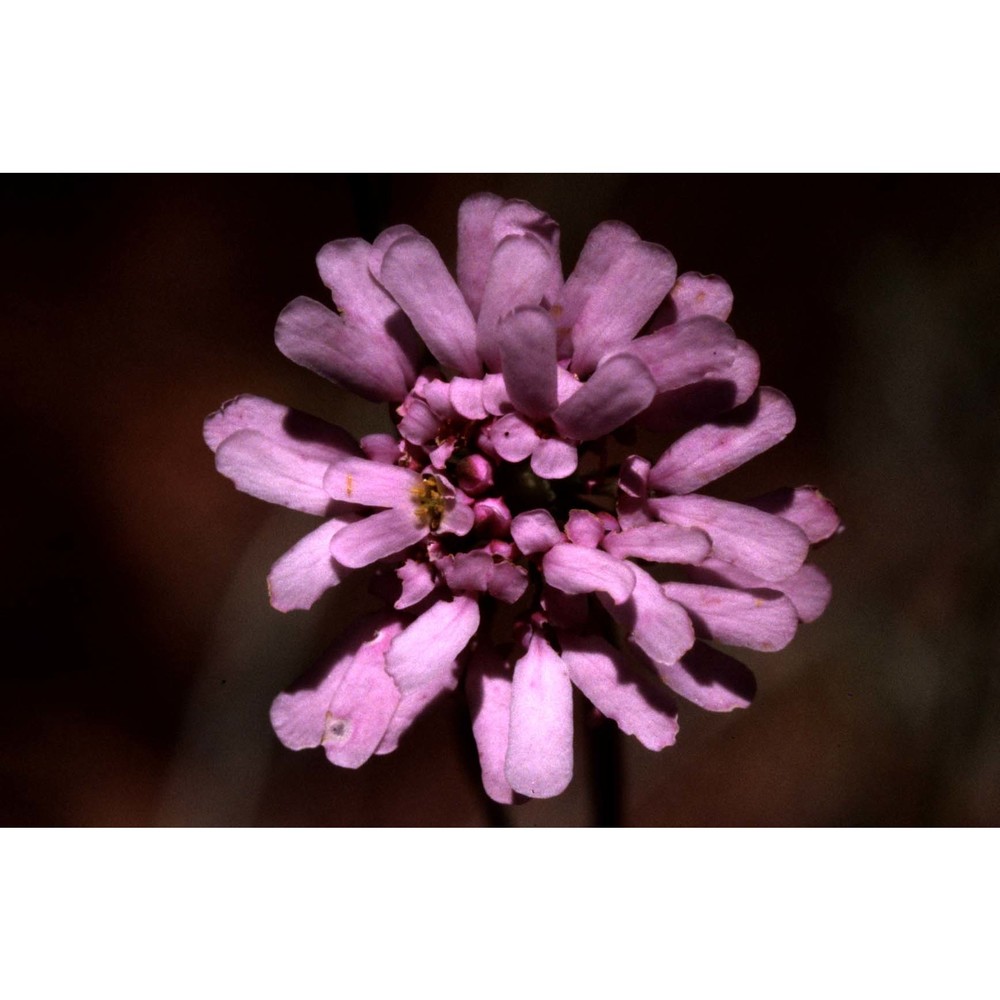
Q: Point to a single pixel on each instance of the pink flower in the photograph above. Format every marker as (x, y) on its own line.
(525, 538)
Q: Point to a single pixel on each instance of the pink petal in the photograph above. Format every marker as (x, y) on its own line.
(664, 543)
(686, 352)
(521, 273)
(809, 590)
(520, 218)
(488, 689)
(711, 450)
(415, 275)
(639, 704)
(616, 392)
(604, 246)
(381, 448)
(295, 431)
(805, 507)
(365, 304)
(584, 528)
(318, 339)
(467, 571)
(371, 484)
(763, 620)
(508, 582)
(495, 398)
(535, 531)
(514, 438)
(459, 516)
(422, 660)
(467, 397)
(621, 302)
(554, 459)
(307, 570)
(706, 399)
(767, 546)
(540, 743)
(711, 679)
(574, 569)
(383, 241)
(526, 340)
(417, 580)
(375, 537)
(567, 384)
(660, 627)
(419, 423)
(271, 471)
(695, 295)
(346, 704)
(475, 245)
(428, 647)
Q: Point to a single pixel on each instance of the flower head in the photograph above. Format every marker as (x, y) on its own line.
(527, 538)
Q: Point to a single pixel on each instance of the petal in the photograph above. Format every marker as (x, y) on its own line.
(535, 531)
(467, 397)
(488, 689)
(767, 546)
(365, 304)
(808, 589)
(383, 241)
(616, 392)
(805, 507)
(521, 273)
(270, 471)
(346, 704)
(663, 543)
(475, 245)
(574, 569)
(467, 571)
(419, 423)
(415, 275)
(621, 302)
(495, 398)
(710, 451)
(306, 570)
(429, 646)
(417, 580)
(375, 537)
(686, 352)
(639, 704)
(371, 484)
(763, 620)
(514, 438)
(707, 398)
(508, 582)
(660, 627)
(381, 448)
(527, 350)
(712, 680)
(295, 431)
(520, 218)
(695, 295)
(584, 528)
(604, 245)
(540, 743)
(554, 459)
(318, 339)
(459, 518)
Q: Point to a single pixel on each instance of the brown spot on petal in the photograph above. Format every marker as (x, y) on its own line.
(336, 731)
(350, 484)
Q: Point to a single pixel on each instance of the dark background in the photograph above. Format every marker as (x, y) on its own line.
(141, 654)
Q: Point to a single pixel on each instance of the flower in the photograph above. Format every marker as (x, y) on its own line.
(527, 536)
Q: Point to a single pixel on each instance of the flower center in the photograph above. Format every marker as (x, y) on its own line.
(429, 499)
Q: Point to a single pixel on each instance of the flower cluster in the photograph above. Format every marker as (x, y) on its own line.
(533, 550)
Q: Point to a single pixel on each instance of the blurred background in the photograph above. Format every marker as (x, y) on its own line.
(142, 654)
